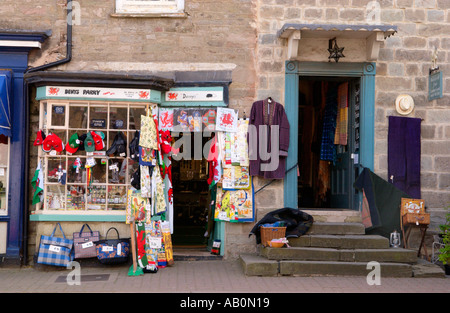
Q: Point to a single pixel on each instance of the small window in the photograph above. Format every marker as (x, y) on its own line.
(150, 6)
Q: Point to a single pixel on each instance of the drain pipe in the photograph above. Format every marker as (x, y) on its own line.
(67, 59)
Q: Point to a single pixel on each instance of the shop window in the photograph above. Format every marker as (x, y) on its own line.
(149, 6)
(85, 182)
(4, 175)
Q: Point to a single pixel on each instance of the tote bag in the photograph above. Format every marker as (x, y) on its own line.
(113, 251)
(85, 243)
(55, 251)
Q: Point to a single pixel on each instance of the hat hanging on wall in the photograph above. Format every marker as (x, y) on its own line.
(404, 104)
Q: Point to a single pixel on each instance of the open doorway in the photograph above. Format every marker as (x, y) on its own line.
(328, 141)
(193, 216)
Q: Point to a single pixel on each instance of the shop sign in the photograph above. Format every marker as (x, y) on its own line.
(194, 95)
(96, 93)
(435, 86)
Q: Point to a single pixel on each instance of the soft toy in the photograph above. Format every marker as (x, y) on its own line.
(166, 140)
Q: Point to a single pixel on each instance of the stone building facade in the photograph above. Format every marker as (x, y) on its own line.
(241, 37)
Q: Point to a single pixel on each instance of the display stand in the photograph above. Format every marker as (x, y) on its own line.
(412, 215)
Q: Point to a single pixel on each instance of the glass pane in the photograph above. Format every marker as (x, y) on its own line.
(55, 197)
(58, 115)
(78, 117)
(118, 118)
(135, 117)
(76, 197)
(4, 154)
(96, 197)
(98, 170)
(133, 166)
(117, 197)
(117, 171)
(56, 168)
(117, 150)
(74, 145)
(98, 117)
(76, 172)
(3, 185)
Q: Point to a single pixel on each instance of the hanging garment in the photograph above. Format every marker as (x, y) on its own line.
(148, 135)
(404, 149)
(146, 184)
(267, 113)
(327, 148)
(340, 137)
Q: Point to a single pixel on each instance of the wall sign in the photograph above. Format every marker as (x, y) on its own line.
(96, 93)
(435, 86)
(194, 95)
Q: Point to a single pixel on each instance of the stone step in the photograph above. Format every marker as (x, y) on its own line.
(255, 265)
(330, 268)
(327, 228)
(341, 241)
(334, 215)
(260, 266)
(344, 255)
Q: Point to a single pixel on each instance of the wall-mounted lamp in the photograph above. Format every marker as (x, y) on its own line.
(335, 51)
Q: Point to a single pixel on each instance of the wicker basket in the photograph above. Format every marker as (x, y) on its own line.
(269, 233)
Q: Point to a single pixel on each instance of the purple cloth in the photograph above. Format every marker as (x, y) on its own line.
(265, 114)
(404, 152)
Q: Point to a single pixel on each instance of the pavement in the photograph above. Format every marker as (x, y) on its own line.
(198, 277)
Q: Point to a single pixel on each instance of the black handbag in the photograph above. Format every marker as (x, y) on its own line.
(113, 251)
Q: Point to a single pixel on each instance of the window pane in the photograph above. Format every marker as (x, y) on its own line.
(78, 117)
(118, 118)
(55, 197)
(76, 172)
(55, 168)
(117, 171)
(96, 197)
(135, 117)
(58, 115)
(76, 197)
(117, 197)
(98, 117)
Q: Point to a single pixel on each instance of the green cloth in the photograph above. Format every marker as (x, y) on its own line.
(384, 202)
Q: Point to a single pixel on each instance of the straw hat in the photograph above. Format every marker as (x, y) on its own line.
(404, 104)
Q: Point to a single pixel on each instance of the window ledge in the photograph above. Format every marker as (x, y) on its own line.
(150, 15)
(76, 218)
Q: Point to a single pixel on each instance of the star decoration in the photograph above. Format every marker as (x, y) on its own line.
(335, 52)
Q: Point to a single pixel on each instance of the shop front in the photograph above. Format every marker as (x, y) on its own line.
(110, 152)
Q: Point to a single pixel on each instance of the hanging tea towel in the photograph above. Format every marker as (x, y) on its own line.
(148, 136)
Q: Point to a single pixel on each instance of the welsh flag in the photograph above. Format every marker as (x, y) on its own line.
(38, 183)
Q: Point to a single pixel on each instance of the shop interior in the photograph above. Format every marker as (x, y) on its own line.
(318, 99)
(193, 221)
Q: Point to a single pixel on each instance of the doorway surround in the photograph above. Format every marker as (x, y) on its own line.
(366, 72)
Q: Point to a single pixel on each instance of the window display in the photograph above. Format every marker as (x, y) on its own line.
(83, 149)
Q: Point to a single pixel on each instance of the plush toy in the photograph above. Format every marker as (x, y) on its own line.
(166, 140)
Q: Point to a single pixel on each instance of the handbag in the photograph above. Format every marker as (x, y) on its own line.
(113, 251)
(55, 250)
(85, 243)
